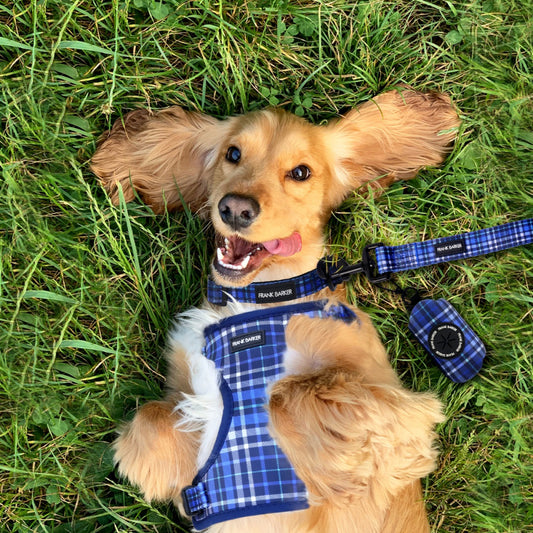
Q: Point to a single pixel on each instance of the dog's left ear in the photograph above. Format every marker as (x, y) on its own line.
(390, 138)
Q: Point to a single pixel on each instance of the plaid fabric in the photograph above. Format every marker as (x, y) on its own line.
(280, 291)
(247, 473)
(465, 245)
(445, 335)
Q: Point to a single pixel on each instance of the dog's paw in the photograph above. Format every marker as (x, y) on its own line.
(345, 437)
(153, 454)
(313, 419)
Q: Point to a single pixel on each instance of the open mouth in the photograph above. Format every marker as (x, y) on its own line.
(236, 257)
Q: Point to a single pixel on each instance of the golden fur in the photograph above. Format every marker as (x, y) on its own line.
(356, 437)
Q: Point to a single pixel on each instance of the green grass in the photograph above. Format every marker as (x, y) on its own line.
(87, 290)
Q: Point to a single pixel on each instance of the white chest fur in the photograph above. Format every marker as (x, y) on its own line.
(201, 411)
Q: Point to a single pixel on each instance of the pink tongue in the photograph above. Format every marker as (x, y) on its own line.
(284, 247)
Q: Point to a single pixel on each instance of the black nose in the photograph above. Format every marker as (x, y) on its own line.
(238, 211)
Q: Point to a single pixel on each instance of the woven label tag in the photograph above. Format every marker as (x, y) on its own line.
(249, 340)
(450, 248)
(276, 292)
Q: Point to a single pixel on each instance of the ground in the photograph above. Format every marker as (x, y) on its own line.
(87, 290)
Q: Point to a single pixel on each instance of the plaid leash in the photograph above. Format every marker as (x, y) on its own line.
(437, 325)
(378, 262)
(485, 241)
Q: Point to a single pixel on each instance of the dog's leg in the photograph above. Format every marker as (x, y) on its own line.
(151, 450)
(314, 344)
(154, 455)
(407, 512)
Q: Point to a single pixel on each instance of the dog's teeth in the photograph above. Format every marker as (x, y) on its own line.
(241, 266)
(226, 241)
(230, 266)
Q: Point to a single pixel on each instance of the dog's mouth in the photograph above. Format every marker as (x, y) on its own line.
(236, 257)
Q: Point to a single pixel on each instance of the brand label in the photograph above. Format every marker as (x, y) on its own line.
(249, 340)
(446, 340)
(451, 247)
(276, 292)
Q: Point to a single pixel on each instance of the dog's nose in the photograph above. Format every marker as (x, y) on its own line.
(238, 211)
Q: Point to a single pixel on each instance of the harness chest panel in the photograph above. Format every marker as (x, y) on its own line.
(247, 473)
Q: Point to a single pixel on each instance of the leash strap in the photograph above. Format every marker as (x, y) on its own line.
(419, 254)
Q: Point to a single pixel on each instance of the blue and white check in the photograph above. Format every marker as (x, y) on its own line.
(463, 358)
(267, 291)
(463, 246)
(247, 473)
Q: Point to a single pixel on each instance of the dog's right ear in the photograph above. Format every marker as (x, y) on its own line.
(165, 157)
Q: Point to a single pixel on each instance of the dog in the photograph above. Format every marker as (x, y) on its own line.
(356, 440)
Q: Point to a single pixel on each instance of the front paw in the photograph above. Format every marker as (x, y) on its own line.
(314, 419)
(344, 436)
(154, 455)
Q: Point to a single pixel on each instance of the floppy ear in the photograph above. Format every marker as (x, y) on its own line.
(163, 156)
(389, 138)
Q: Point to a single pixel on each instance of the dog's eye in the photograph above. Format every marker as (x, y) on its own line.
(233, 155)
(300, 173)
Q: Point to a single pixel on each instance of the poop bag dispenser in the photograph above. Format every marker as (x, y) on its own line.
(446, 336)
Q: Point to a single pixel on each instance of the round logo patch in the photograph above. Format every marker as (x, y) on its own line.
(446, 340)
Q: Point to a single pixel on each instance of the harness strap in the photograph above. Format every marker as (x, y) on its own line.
(463, 246)
(195, 499)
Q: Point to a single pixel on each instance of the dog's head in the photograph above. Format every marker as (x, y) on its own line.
(269, 180)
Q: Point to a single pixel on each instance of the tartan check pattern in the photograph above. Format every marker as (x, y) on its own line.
(463, 246)
(426, 315)
(196, 498)
(247, 473)
(304, 285)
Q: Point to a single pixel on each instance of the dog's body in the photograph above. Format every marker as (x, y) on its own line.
(358, 440)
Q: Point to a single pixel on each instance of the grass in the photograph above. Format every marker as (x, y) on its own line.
(87, 290)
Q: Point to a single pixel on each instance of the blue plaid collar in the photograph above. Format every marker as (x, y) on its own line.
(268, 291)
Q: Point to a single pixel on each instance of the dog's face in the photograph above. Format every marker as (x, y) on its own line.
(269, 195)
(270, 179)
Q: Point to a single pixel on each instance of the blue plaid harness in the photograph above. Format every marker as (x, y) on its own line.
(247, 473)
